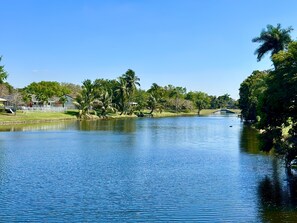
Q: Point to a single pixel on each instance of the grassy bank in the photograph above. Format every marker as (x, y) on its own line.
(39, 117)
(35, 117)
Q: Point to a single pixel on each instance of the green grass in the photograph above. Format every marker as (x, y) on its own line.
(30, 117)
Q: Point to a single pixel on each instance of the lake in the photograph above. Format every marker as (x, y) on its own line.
(182, 169)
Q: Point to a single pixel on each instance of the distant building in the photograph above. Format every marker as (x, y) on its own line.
(3, 102)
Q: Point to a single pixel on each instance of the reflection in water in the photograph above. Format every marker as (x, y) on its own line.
(277, 197)
(249, 141)
(277, 191)
(117, 125)
(38, 126)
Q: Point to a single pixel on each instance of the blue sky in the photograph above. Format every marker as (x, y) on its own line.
(203, 45)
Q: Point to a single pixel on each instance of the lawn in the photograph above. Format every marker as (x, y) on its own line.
(30, 117)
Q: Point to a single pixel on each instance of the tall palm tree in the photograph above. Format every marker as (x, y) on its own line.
(132, 80)
(85, 99)
(273, 40)
(122, 94)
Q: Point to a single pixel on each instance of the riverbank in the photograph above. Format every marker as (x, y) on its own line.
(35, 117)
(38, 117)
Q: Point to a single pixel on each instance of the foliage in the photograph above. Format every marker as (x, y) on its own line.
(273, 40)
(73, 89)
(140, 98)
(104, 104)
(3, 73)
(200, 99)
(85, 99)
(132, 81)
(250, 92)
(122, 95)
(225, 101)
(278, 106)
(45, 90)
(175, 97)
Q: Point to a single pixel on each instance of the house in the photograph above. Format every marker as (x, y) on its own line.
(3, 102)
(69, 102)
(53, 102)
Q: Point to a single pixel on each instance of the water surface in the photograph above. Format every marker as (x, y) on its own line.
(187, 169)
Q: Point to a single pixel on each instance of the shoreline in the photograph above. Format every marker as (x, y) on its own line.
(48, 117)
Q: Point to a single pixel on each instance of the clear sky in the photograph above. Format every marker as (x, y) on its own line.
(203, 45)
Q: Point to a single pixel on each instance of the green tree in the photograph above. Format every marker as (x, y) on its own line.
(84, 101)
(126, 87)
(250, 92)
(3, 73)
(273, 40)
(152, 103)
(132, 81)
(213, 102)
(200, 99)
(140, 98)
(224, 101)
(104, 85)
(45, 90)
(278, 108)
(73, 89)
(122, 95)
(175, 94)
(156, 98)
(104, 104)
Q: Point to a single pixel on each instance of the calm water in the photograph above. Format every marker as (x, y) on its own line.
(189, 169)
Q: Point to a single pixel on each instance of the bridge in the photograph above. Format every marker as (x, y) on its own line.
(224, 111)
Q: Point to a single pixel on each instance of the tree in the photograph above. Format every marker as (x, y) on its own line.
(213, 102)
(3, 73)
(122, 94)
(140, 98)
(45, 90)
(156, 98)
(273, 40)
(125, 89)
(224, 101)
(73, 89)
(132, 81)
(278, 107)
(175, 95)
(200, 99)
(85, 99)
(152, 103)
(250, 92)
(104, 104)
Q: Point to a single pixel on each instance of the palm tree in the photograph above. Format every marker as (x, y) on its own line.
(104, 104)
(85, 99)
(132, 80)
(152, 103)
(122, 93)
(273, 40)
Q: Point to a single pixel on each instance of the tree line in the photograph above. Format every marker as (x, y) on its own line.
(269, 98)
(123, 95)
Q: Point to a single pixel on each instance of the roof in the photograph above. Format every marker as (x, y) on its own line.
(2, 99)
